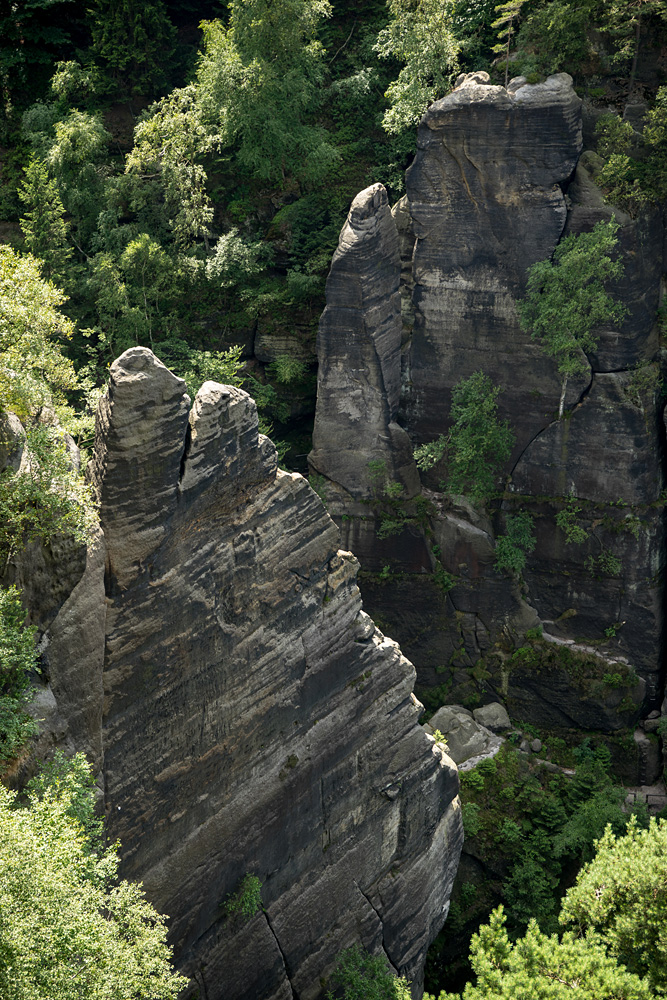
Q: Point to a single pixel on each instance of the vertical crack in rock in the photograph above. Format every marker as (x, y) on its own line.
(282, 954)
(252, 711)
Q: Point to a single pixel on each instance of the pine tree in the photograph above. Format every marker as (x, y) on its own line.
(134, 40)
(44, 227)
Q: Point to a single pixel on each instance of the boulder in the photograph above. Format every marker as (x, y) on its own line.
(493, 717)
(468, 742)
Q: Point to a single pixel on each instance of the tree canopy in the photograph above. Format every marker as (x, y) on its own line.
(70, 930)
(566, 300)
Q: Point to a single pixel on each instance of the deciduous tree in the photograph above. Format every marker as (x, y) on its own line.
(421, 35)
(566, 299)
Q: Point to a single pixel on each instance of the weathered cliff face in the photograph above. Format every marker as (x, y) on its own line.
(254, 720)
(495, 184)
(485, 204)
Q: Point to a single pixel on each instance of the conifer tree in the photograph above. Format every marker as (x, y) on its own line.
(43, 226)
(134, 40)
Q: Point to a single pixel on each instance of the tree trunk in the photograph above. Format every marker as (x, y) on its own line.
(562, 398)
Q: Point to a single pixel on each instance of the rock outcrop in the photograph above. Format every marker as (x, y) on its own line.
(486, 203)
(247, 714)
(359, 345)
(497, 181)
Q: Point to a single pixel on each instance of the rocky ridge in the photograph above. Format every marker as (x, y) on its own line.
(497, 181)
(247, 715)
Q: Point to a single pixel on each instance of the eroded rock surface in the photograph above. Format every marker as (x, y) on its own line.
(359, 344)
(255, 720)
(496, 183)
(486, 203)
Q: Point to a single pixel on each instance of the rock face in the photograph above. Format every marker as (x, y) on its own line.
(486, 203)
(497, 181)
(359, 344)
(254, 719)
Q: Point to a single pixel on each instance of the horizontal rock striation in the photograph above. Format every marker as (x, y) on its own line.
(359, 345)
(497, 181)
(486, 202)
(255, 720)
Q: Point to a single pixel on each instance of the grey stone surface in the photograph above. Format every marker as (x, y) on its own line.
(486, 204)
(255, 720)
(468, 742)
(358, 347)
(493, 717)
(607, 450)
(650, 757)
(12, 441)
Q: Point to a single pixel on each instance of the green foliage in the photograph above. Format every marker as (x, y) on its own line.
(169, 141)
(18, 659)
(44, 228)
(133, 40)
(568, 522)
(70, 928)
(393, 510)
(470, 815)
(556, 35)
(508, 14)
(478, 443)
(421, 36)
(74, 84)
(513, 547)
(440, 739)
(587, 824)
(246, 901)
(71, 778)
(542, 967)
(566, 300)
(258, 81)
(47, 496)
(33, 369)
(644, 384)
(287, 369)
(360, 976)
(75, 159)
(234, 261)
(33, 34)
(627, 180)
(604, 564)
(214, 366)
(621, 895)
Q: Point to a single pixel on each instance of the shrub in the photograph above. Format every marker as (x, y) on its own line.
(512, 548)
(246, 901)
(361, 976)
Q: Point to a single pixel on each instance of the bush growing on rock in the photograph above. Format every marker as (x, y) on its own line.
(566, 299)
(478, 443)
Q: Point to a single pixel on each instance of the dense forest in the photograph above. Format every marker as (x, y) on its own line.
(175, 175)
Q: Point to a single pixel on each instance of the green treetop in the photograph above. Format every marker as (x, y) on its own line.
(566, 299)
(541, 967)
(622, 894)
(259, 81)
(70, 930)
(134, 40)
(420, 35)
(33, 369)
